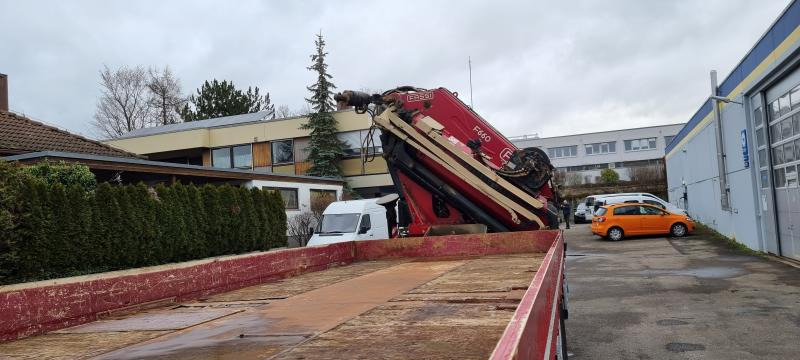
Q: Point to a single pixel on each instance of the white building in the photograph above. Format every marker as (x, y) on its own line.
(586, 155)
(734, 165)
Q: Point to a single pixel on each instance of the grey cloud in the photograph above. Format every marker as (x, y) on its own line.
(548, 67)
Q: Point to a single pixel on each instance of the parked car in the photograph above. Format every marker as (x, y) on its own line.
(652, 200)
(595, 201)
(580, 213)
(351, 220)
(591, 203)
(616, 221)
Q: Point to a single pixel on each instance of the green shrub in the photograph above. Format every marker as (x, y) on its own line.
(52, 229)
(63, 173)
(609, 177)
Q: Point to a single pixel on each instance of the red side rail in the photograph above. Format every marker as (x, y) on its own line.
(533, 330)
(34, 308)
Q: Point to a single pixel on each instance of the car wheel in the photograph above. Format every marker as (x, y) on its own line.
(678, 230)
(615, 234)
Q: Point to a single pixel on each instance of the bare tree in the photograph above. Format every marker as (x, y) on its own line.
(300, 227)
(283, 112)
(123, 105)
(650, 174)
(165, 96)
(303, 110)
(318, 206)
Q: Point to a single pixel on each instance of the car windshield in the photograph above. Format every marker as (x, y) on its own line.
(600, 212)
(339, 223)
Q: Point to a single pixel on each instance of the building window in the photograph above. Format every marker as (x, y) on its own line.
(354, 140)
(794, 94)
(791, 176)
(221, 158)
(757, 116)
(668, 139)
(563, 151)
(289, 196)
(780, 178)
(640, 144)
(242, 156)
(282, 152)
(774, 110)
(323, 194)
(601, 148)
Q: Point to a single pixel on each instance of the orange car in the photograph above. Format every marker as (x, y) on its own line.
(619, 220)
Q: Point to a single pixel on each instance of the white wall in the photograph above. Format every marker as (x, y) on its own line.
(303, 192)
(695, 165)
(619, 136)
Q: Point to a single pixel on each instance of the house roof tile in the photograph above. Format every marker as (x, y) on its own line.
(19, 134)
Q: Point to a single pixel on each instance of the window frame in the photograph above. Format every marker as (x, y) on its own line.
(597, 148)
(230, 157)
(272, 151)
(233, 156)
(626, 207)
(285, 203)
(558, 152)
(628, 144)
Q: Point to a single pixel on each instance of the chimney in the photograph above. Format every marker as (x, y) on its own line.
(3, 92)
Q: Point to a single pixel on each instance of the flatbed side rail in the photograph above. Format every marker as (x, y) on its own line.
(533, 330)
(458, 245)
(37, 307)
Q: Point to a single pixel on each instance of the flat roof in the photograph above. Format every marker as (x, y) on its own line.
(522, 137)
(139, 165)
(226, 121)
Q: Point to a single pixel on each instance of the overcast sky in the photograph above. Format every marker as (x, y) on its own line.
(547, 67)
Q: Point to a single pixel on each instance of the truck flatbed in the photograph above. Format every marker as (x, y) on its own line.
(392, 308)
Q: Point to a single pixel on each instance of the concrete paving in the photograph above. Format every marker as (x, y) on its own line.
(678, 298)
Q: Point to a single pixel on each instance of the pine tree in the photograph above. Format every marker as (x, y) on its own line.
(217, 99)
(325, 148)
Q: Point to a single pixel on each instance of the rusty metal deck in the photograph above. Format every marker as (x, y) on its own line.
(455, 308)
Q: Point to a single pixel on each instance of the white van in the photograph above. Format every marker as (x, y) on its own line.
(351, 220)
(641, 198)
(592, 200)
(589, 203)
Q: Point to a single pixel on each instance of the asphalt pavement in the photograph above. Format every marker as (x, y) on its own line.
(678, 298)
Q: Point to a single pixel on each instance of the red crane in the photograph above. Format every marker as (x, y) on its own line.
(453, 171)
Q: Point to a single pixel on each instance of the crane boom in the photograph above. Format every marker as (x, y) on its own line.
(452, 170)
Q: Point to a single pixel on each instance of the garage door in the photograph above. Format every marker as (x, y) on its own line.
(779, 134)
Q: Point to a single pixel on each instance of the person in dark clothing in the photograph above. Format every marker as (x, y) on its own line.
(566, 210)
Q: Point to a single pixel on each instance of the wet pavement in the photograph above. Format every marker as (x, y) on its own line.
(678, 298)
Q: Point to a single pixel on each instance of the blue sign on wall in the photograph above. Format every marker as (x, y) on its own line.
(745, 151)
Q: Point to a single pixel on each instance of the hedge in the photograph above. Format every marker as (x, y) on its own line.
(50, 230)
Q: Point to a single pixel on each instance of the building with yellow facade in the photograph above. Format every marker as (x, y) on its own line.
(259, 143)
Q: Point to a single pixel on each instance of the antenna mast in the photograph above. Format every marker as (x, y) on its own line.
(469, 60)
